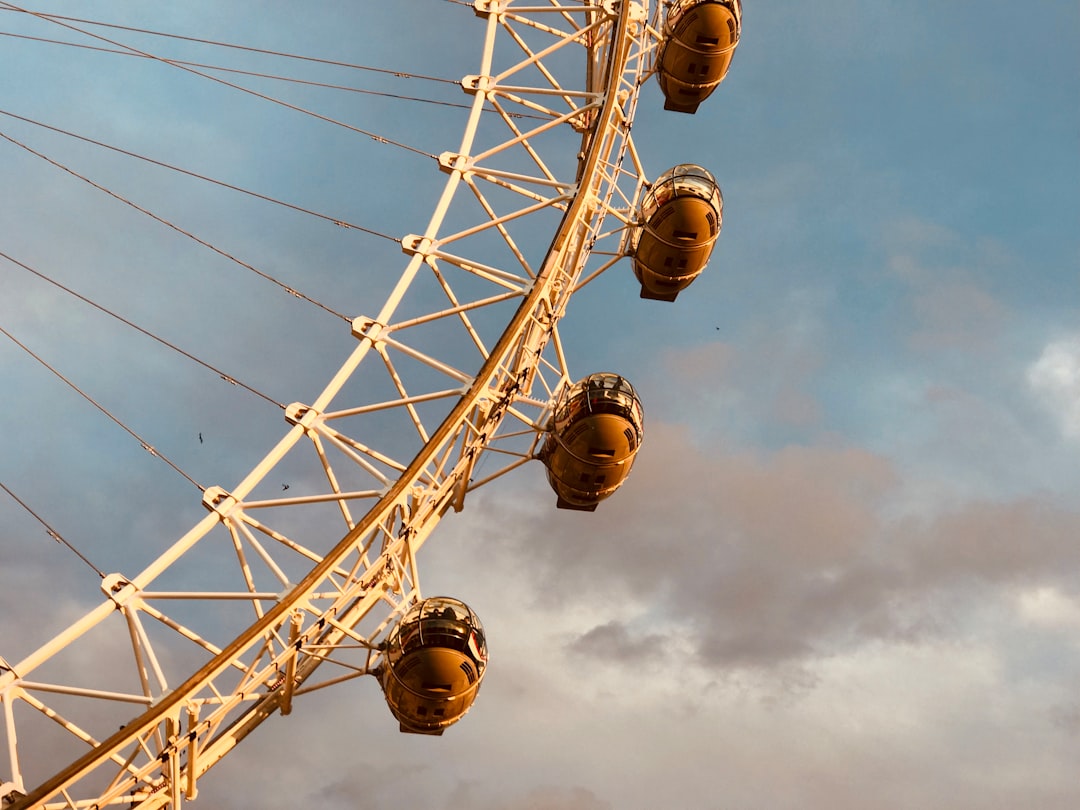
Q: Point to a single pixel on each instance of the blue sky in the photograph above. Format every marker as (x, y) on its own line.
(845, 564)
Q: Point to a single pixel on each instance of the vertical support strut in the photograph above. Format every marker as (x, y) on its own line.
(296, 622)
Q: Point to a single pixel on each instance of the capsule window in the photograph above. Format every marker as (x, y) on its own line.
(706, 40)
(602, 452)
(573, 434)
(685, 235)
(660, 216)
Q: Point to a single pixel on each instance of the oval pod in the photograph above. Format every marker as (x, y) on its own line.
(435, 661)
(699, 40)
(681, 215)
(593, 436)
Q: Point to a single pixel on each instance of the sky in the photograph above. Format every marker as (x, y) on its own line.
(844, 571)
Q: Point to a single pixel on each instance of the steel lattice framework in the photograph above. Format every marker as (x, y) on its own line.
(388, 447)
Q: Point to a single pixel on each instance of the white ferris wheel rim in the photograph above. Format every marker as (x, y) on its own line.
(189, 731)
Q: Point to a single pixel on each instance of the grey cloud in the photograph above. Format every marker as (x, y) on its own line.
(474, 796)
(615, 642)
(780, 558)
(1067, 718)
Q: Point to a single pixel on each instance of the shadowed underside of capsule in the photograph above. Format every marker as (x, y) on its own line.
(699, 40)
(594, 435)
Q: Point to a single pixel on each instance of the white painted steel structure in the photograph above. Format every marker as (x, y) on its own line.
(292, 584)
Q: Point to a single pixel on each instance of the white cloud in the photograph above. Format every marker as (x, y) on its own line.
(1048, 607)
(1055, 379)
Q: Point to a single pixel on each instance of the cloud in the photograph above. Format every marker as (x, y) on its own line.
(1048, 607)
(538, 798)
(951, 309)
(759, 387)
(958, 315)
(773, 559)
(614, 641)
(1055, 380)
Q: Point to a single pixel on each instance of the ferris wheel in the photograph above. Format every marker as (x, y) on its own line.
(460, 370)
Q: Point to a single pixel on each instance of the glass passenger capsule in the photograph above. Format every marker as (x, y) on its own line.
(681, 216)
(699, 39)
(593, 436)
(435, 661)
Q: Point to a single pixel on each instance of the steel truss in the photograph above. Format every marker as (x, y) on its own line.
(389, 446)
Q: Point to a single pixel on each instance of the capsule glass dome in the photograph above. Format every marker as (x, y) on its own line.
(441, 615)
(598, 392)
(684, 180)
